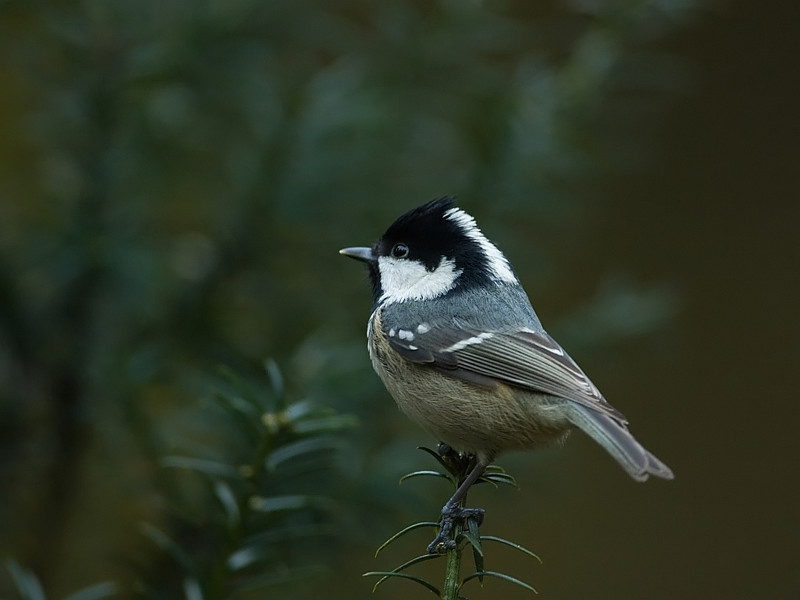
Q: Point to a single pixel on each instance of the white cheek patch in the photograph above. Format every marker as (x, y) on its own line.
(403, 279)
(498, 264)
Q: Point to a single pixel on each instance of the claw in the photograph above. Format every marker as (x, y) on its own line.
(450, 516)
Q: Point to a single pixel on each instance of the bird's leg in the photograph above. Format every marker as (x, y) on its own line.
(453, 511)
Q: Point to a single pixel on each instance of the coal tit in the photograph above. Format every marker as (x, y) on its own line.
(456, 342)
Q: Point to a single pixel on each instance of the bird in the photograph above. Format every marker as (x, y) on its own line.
(456, 342)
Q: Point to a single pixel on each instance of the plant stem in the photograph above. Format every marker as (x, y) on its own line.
(452, 574)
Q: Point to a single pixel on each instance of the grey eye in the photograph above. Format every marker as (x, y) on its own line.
(400, 251)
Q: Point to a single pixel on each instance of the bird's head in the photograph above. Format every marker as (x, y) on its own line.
(430, 251)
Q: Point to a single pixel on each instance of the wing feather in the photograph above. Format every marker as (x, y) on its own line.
(525, 359)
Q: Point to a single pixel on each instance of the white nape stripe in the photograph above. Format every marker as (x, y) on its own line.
(403, 279)
(498, 264)
(460, 345)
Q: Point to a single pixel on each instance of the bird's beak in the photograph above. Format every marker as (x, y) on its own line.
(363, 254)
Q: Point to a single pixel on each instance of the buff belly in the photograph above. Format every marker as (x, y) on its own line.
(470, 418)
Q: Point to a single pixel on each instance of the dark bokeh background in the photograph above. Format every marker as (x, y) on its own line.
(175, 180)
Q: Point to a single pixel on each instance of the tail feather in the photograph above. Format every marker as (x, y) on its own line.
(618, 442)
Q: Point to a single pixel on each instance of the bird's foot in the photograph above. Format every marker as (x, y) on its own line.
(456, 463)
(450, 516)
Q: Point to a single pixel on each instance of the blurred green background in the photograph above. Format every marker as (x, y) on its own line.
(177, 176)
